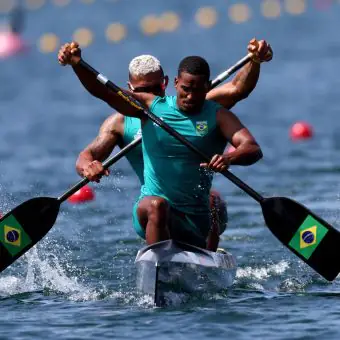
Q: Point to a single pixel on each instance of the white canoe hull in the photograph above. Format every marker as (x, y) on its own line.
(175, 267)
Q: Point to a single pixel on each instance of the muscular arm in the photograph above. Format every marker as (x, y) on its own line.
(100, 91)
(239, 88)
(108, 137)
(247, 151)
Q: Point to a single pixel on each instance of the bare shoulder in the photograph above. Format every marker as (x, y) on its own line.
(225, 114)
(224, 95)
(219, 92)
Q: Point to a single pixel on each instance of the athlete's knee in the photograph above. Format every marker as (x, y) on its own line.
(159, 204)
(157, 210)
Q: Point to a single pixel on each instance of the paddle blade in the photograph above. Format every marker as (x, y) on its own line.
(311, 238)
(24, 226)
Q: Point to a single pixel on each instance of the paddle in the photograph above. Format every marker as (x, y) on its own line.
(28, 223)
(307, 235)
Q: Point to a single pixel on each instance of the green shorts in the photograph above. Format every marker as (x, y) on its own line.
(188, 228)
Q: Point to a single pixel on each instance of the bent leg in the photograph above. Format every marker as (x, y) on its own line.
(153, 215)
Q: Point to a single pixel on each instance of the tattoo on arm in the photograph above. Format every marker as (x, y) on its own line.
(246, 79)
(238, 89)
(103, 145)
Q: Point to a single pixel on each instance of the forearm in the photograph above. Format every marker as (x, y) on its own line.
(246, 154)
(97, 89)
(246, 79)
(70, 54)
(239, 88)
(89, 81)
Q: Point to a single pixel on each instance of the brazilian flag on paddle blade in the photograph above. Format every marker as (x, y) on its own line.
(12, 236)
(307, 238)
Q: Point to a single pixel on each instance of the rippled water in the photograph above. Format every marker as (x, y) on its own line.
(78, 282)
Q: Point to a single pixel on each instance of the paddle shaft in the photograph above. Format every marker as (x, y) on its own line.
(133, 102)
(218, 80)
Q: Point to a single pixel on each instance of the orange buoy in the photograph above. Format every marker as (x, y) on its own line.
(301, 130)
(82, 195)
(10, 44)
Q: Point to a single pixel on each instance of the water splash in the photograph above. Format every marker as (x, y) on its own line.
(47, 271)
(262, 273)
(292, 285)
(11, 285)
(132, 298)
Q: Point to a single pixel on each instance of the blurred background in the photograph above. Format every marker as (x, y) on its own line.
(84, 267)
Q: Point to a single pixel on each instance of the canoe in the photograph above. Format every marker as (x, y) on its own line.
(167, 268)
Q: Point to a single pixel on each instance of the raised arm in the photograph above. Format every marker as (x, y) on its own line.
(70, 54)
(246, 79)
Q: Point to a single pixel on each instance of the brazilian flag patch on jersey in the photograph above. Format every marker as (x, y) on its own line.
(201, 128)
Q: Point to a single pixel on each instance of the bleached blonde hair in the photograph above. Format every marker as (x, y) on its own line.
(143, 65)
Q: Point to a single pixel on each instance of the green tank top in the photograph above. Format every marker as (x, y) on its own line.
(132, 130)
(171, 170)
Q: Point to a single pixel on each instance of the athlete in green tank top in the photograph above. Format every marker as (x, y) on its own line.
(174, 198)
(173, 172)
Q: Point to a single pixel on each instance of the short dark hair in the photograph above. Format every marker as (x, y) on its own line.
(194, 65)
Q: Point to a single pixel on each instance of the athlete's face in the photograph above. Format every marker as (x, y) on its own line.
(191, 91)
(154, 83)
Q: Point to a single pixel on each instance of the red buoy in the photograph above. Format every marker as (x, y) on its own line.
(301, 130)
(82, 195)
